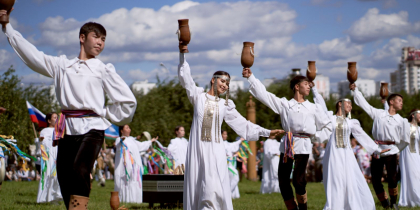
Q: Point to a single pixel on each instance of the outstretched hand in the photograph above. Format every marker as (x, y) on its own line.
(155, 139)
(385, 150)
(352, 86)
(246, 72)
(311, 84)
(7, 13)
(276, 132)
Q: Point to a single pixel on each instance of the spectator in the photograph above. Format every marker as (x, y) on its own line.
(260, 160)
(23, 175)
(318, 152)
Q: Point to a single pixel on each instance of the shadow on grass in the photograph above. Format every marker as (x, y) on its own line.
(252, 192)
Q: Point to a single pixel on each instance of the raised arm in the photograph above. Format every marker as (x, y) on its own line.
(186, 80)
(241, 126)
(259, 91)
(34, 59)
(124, 104)
(323, 125)
(361, 101)
(318, 99)
(143, 146)
(364, 139)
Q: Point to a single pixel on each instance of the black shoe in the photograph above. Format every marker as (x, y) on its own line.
(385, 204)
(303, 206)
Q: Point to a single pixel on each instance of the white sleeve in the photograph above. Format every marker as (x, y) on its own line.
(318, 99)
(143, 146)
(361, 101)
(124, 104)
(404, 135)
(258, 90)
(241, 126)
(364, 139)
(386, 106)
(34, 59)
(186, 80)
(323, 125)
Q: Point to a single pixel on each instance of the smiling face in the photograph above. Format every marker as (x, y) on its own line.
(93, 44)
(222, 85)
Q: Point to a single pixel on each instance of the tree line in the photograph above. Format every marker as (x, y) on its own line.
(158, 112)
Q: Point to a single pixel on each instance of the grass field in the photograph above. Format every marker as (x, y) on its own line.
(22, 195)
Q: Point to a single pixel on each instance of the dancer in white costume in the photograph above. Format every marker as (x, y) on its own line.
(410, 165)
(270, 180)
(129, 167)
(48, 188)
(206, 180)
(231, 149)
(344, 183)
(178, 147)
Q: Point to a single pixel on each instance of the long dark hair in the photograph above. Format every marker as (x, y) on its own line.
(120, 128)
(219, 73)
(48, 117)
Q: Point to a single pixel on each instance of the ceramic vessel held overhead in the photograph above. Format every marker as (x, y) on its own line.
(6, 5)
(352, 72)
(184, 35)
(384, 90)
(311, 71)
(247, 57)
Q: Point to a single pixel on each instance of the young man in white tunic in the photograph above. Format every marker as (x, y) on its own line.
(303, 122)
(390, 131)
(178, 147)
(80, 84)
(410, 165)
(270, 180)
(48, 188)
(206, 179)
(344, 183)
(129, 167)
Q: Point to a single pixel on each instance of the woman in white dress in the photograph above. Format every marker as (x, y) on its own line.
(206, 180)
(270, 180)
(178, 147)
(48, 188)
(410, 165)
(232, 148)
(128, 166)
(344, 183)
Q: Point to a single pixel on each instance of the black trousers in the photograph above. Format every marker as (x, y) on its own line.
(299, 175)
(377, 169)
(75, 158)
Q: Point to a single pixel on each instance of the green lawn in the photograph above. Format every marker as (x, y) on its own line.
(22, 195)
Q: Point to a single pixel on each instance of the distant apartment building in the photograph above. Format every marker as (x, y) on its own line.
(142, 87)
(366, 86)
(407, 76)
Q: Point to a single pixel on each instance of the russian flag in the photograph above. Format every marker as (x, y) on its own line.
(112, 133)
(36, 116)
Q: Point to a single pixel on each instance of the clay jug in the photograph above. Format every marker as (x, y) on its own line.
(115, 200)
(383, 92)
(311, 71)
(247, 57)
(352, 72)
(6, 5)
(184, 35)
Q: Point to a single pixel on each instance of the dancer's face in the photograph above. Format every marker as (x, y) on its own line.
(303, 88)
(126, 131)
(347, 106)
(397, 103)
(93, 44)
(417, 117)
(224, 135)
(222, 85)
(181, 132)
(53, 120)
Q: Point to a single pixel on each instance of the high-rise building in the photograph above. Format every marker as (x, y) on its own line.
(407, 76)
(322, 84)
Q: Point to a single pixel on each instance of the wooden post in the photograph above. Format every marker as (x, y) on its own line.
(251, 116)
(33, 127)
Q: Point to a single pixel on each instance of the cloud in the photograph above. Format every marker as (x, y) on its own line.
(385, 3)
(6, 60)
(339, 48)
(375, 26)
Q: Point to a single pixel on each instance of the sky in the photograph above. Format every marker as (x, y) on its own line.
(141, 36)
